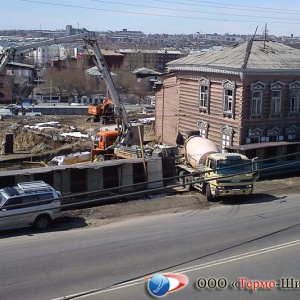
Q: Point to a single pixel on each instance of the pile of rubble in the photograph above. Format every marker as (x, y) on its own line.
(54, 135)
(49, 133)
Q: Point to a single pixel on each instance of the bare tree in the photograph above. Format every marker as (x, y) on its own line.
(139, 59)
(69, 81)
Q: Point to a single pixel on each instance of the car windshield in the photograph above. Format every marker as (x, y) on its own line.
(226, 167)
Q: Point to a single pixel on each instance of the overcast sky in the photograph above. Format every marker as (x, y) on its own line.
(155, 16)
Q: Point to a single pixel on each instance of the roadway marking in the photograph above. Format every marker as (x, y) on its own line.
(182, 271)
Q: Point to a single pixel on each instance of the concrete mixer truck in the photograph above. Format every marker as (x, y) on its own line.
(214, 173)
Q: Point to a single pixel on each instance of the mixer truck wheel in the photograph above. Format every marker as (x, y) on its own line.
(203, 190)
(185, 180)
(100, 157)
(209, 196)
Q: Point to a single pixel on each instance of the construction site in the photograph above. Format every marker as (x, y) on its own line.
(37, 140)
(98, 140)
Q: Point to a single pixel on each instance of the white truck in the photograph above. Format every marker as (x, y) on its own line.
(214, 173)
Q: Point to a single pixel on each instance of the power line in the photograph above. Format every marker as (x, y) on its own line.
(245, 6)
(156, 15)
(192, 11)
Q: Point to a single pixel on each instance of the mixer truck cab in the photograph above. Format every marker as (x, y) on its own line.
(228, 174)
(214, 173)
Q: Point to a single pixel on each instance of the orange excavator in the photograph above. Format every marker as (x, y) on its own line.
(104, 113)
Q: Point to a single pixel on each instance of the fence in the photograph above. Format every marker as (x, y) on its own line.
(276, 169)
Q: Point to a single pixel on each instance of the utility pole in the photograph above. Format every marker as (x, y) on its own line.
(51, 91)
(265, 33)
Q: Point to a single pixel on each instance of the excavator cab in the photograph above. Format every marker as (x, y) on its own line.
(104, 112)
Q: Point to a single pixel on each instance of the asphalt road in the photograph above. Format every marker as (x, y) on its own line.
(259, 241)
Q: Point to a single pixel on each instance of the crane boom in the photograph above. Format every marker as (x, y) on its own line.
(103, 69)
(16, 53)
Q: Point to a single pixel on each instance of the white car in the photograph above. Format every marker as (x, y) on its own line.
(33, 203)
(10, 106)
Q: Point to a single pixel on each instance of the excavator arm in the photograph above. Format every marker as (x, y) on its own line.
(118, 103)
(16, 53)
(3, 60)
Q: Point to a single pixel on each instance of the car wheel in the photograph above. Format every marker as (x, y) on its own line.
(42, 222)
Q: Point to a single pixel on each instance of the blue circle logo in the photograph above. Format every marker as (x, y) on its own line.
(158, 285)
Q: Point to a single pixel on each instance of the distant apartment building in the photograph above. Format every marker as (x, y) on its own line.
(126, 36)
(70, 30)
(44, 55)
(14, 76)
(224, 38)
(21, 70)
(113, 59)
(6, 88)
(152, 59)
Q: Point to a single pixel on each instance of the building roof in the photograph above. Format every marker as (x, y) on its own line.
(88, 165)
(249, 57)
(177, 52)
(94, 71)
(106, 52)
(16, 64)
(145, 71)
(261, 145)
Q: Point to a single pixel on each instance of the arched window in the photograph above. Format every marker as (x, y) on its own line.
(229, 98)
(257, 89)
(204, 95)
(276, 98)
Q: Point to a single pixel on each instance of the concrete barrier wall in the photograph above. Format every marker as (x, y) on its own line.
(91, 176)
(60, 110)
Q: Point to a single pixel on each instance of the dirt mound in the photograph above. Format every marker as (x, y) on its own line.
(47, 133)
(41, 148)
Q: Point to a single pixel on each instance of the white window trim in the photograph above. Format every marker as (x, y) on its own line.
(228, 99)
(258, 107)
(204, 82)
(291, 137)
(203, 128)
(229, 86)
(257, 86)
(202, 99)
(226, 136)
(291, 132)
(295, 100)
(226, 141)
(276, 102)
(202, 132)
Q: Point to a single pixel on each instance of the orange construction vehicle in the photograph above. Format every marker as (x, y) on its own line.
(104, 112)
(103, 147)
